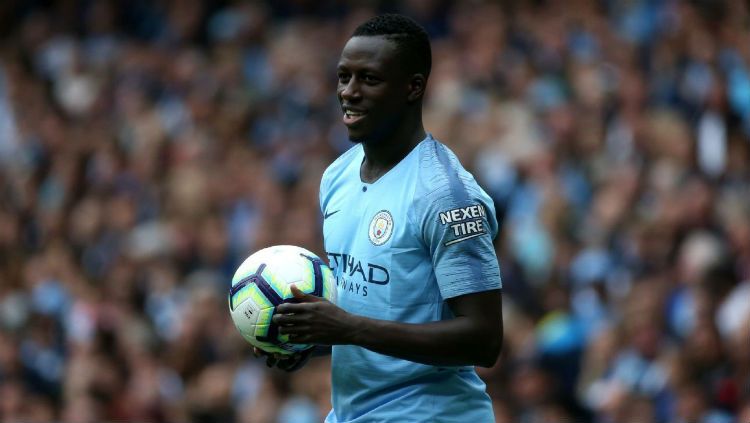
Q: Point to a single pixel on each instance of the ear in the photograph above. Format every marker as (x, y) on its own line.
(417, 86)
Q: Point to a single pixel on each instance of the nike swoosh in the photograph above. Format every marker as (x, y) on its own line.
(327, 215)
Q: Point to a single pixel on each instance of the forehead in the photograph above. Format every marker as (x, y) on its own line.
(368, 51)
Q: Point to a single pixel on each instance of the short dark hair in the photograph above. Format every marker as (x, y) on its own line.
(410, 38)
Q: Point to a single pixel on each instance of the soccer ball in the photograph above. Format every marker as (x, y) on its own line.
(262, 282)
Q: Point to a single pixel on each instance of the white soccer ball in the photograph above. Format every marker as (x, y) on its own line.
(262, 282)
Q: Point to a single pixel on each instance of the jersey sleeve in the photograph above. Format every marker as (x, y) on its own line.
(323, 192)
(458, 225)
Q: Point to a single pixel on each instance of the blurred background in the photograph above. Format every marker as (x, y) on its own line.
(147, 147)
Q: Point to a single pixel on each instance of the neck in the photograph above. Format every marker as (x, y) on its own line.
(382, 156)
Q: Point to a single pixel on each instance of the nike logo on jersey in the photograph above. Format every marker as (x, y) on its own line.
(327, 215)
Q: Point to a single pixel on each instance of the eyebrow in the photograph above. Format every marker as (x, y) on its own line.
(363, 68)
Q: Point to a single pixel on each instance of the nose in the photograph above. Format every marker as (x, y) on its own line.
(350, 90)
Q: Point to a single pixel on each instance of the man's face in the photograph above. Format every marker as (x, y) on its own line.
(372, 88)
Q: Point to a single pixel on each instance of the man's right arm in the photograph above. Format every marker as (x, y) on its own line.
(292, 362)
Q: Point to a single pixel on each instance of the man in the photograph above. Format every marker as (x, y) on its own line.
(408, 233)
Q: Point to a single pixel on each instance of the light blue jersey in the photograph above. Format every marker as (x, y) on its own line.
(399, 247)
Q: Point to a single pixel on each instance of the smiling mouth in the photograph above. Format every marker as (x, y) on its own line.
(351, 117)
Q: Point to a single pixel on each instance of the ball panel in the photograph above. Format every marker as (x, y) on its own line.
(239, 297)
(248, 268)
(261, 331)
(289, 268)
(269, 348)
(306, 283)
(328, 284)
(246, 315)
(261, 300)
(277, 283)
(264, 316)
(268, 332)
(267, 291)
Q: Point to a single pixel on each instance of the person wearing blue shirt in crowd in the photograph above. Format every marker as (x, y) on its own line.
(409, 235)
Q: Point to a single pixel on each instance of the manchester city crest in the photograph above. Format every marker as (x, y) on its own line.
(381, 227)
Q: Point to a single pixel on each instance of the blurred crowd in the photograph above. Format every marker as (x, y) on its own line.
(148, 147)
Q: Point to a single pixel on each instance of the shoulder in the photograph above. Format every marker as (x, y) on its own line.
(443, 175)
(340, 165)
(344, 160)
(446, 191)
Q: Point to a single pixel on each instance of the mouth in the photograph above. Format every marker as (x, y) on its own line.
(351, 117)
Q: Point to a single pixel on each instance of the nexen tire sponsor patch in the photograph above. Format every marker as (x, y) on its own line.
(464, 223)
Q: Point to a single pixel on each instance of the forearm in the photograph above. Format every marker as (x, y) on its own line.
(321, 351)
(454, 342)
(472, 337)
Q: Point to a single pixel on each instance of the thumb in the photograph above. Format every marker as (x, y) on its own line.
(298, 294)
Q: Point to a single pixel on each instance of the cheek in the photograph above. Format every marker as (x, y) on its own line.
(394, 106)
(398, 97)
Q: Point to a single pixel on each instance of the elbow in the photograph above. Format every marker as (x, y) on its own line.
(491, 352)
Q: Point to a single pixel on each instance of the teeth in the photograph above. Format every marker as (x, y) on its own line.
(352, 114)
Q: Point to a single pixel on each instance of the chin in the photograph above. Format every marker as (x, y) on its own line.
(370, 138)
(358, 138)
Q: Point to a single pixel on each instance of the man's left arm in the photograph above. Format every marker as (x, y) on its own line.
(472, 337)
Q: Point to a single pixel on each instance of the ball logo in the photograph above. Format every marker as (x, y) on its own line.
(381, 227)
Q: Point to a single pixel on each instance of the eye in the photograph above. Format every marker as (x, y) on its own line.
(344, 77)
(370, 79)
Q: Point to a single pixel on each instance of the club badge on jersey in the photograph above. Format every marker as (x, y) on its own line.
(381, 227)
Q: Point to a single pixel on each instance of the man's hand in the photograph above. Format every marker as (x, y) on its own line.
(314, 320)
(288, 363)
